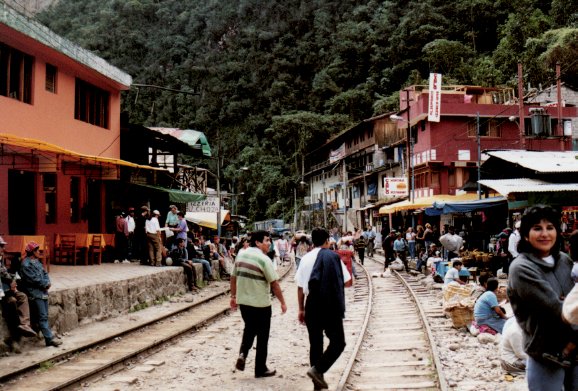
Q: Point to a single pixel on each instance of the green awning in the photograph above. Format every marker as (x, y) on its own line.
(177, 196)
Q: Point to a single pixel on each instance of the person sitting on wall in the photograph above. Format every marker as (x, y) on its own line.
(36, 283)
(196, 256)
(180, 258)
(15, 309)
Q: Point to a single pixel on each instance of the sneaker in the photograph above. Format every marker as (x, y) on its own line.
(267, 373)
(317, 378)
(240, 365)
(54, 342)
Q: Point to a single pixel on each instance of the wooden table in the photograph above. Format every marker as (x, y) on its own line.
(16, 244)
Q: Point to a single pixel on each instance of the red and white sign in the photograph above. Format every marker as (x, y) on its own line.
(435, 100)
(395, 187)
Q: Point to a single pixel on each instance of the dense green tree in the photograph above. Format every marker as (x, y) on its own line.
(274, 79)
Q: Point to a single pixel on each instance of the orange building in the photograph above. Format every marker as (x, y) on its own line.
(59, 130)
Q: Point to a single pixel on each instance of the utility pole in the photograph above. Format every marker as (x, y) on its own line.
(479, 155)
(559, 112)
(218, 185)
(345, 196)
(324, 201)
(295, 209)
(409, 148)
(521, 107)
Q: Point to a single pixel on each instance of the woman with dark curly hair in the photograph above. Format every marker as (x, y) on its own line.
(540, 279)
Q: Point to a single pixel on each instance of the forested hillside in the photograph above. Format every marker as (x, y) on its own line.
(276, 78)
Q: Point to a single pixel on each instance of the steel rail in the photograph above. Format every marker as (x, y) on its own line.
(361, 336)
(437, 363)
(90, 373)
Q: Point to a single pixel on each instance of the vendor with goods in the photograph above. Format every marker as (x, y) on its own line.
(453, 274)
(487, 311)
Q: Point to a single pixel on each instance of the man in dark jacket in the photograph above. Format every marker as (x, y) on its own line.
(321, 278)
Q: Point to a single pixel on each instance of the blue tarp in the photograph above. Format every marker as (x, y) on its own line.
(442, 208)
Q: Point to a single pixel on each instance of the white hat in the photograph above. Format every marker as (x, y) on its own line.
(156, 212)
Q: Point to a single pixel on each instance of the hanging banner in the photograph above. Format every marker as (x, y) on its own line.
(337, 154)
(435, 91)
(395, 187)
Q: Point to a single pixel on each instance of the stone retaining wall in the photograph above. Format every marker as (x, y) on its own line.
(71, 308)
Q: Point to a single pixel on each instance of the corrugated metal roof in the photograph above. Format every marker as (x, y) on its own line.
(540, 161)
(526, 185)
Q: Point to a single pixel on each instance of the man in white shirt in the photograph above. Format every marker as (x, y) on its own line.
(514, 240)
(322, 271)
(453, 274)
(153, 230)
(131, 225)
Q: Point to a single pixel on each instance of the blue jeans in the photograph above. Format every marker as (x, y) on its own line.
(42, 309)
(550, 377)
(206, 266)
(411, 249)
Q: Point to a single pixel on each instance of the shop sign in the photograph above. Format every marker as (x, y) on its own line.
(395, 187)
(208, 205)
(434, 103)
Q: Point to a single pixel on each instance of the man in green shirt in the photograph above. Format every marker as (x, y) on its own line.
(252, 280)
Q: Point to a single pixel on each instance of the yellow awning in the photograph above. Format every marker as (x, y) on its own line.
(425, 202)
(33, 144)
(207, 219)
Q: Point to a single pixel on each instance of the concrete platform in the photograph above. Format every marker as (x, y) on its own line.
(84, 294)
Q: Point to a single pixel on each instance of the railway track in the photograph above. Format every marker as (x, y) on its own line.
(116, 351)
(395, 349)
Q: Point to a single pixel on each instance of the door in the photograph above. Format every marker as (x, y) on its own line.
(21, 202)
(94, 206)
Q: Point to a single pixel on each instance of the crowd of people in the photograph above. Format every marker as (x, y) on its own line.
(540, 338)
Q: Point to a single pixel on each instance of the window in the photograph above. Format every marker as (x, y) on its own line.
(74, 199)
(49, 184)
(91, 104)
(51, 72)
(488, 128)
(15, 74)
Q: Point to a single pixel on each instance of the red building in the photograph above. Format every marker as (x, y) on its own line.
(59, 133)
(445, 153)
